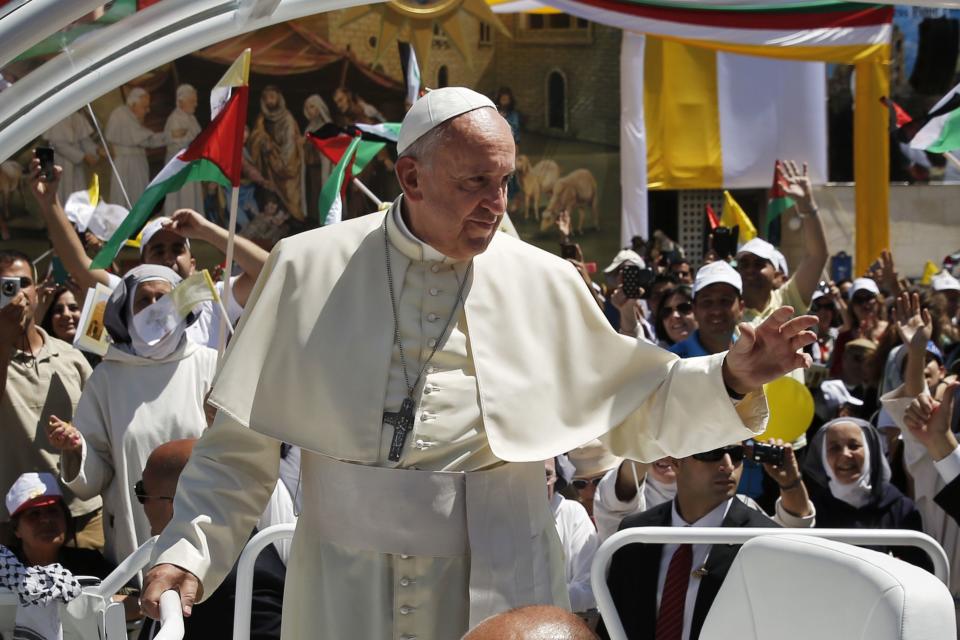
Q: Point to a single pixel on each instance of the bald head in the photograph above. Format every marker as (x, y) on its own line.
(167, 461)
(160, 477)
(536, 622)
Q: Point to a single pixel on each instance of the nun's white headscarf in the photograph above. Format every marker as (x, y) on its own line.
(155, 332)
(873, 475)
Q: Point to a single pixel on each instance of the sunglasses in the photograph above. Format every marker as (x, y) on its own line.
(736, 453)
(142, 495)
(683, 309)
(582, 484)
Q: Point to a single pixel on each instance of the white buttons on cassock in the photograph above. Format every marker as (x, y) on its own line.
(432, 342)
(435, 268)
(427, 389)
(406, 610)
(434, 291)
(432, 317)
(404, 556)
(405, 581)
(407, 636)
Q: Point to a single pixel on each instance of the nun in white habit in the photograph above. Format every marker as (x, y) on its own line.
(149, 389)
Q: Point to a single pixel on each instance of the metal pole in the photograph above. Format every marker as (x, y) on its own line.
(171, 617)
(228, 272)
(244, 594)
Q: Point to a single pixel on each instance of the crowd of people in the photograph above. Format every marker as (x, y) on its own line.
(96, 445)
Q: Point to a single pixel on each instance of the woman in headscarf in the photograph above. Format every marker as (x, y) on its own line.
(149, 389)
(848, 480)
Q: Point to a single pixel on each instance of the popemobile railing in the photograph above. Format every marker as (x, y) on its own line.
(727, 535)
(244, 596)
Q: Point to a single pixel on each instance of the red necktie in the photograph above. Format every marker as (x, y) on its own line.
(670, 617)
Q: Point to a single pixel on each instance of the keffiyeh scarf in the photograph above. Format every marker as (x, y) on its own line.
(39, 590)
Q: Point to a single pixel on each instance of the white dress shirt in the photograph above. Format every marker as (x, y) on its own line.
(700, 553)
(579, 540)
(949, 467)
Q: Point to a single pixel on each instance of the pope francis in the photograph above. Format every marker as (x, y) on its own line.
(427, 365)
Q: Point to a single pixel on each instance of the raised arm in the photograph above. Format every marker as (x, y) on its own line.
(915, 327)
(64, 239)
(797, 185)
(251, 258)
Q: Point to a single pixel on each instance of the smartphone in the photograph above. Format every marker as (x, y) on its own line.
(9, 288)
(764, 453)
(636, 280)
(725, 241)
(45, 156)
(568, 251)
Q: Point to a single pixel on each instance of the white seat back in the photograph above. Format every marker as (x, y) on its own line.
(799, 587)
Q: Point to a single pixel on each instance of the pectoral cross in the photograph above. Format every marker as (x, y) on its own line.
(402, 423)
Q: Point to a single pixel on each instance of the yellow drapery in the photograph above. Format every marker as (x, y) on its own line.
(871, 146)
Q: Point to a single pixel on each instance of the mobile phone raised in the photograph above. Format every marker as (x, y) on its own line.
(9, 288)
(45, 156)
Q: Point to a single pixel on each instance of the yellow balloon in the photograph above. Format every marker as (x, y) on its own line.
(791, 409)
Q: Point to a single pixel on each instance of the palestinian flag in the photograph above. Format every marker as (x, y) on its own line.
(330, 204)
(351, 148)
(332, 141)
(712, 217)
(939, 132)
(778, 200)
(411, 72)
(214, 156)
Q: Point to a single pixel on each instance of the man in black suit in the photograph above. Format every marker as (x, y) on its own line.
(212, 618)
(663, 592)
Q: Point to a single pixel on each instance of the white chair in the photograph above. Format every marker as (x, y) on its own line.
(798, 587)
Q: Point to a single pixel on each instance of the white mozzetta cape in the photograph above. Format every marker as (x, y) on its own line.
(310, 362)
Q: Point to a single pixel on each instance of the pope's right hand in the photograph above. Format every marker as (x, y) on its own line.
(167, 577)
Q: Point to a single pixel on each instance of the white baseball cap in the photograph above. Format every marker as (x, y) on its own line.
(435, 108)
(780, 262)
(836, 395)
(760, 248)
(152, 228)
(943, 281)
(625, 255)
(714, 273)
(863, 284)
(33, 490)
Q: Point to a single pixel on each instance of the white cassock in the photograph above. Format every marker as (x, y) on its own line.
(130, 406)
(129, 140)
(71, 141)
(580, 541)
(458, 529)
(190, 195)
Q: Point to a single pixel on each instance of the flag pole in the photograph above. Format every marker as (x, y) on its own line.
(366, 191)
(227, 292)
(952, 159)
